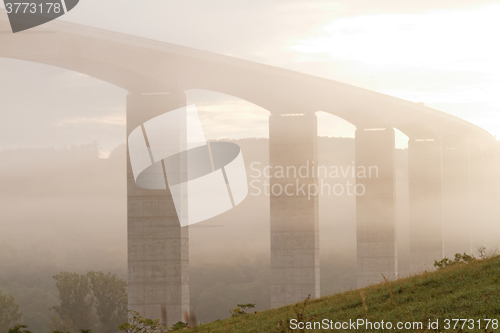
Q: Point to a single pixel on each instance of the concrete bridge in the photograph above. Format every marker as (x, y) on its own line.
(453, 165)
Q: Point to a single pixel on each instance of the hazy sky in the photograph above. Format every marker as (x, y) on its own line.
(443, 53)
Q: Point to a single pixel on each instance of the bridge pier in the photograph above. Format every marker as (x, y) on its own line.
(456, 197)
(157, 246)
(375, 209)
(478, 199)
(492, 196)
(294, 218)
(424, 172)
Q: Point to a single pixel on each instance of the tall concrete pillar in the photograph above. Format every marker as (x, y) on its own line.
(375, 209)
(478, 199)
(294, 213)
(157, 246)
(456, 197)
(426, 237)
(492, 197)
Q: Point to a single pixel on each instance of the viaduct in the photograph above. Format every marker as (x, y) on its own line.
(453, 165)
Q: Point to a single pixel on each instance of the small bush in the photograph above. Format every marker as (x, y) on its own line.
(179, 326)
(138, 324)
(459, 259)
(20, 329)
(484, 253)
(241, 310)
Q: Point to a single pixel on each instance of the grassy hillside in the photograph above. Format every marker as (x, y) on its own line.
(464, 291)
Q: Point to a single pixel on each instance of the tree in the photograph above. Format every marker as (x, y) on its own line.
(110, 299)
(76, 299)
(9, 311)
(93, 300)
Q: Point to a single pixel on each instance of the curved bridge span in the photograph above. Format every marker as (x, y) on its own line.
(453, 164)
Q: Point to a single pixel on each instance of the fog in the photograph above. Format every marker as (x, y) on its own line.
(63, 157)
(65, 210)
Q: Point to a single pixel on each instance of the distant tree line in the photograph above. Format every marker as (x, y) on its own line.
(95, 302)
(92, 302)
(9, 310)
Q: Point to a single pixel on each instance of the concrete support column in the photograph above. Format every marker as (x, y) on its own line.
(492, 197)
(479, 227)
(157, 246)
(424, 172)
(375, 209)
(456, 197)
(294, 213)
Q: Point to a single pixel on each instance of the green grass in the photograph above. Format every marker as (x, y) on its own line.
(469, 291)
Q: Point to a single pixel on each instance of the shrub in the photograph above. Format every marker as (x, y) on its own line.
(241, 310)
(459, 259)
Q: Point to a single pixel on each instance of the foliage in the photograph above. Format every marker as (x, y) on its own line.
(459, 259)
(241, 309)
(459, 290)
(484, 253)
(76, 299)
(94, 299)
(20, 329)
(179, 326)
(60, 325)
(139, 324)
(24, 329)
(9, 311)
(110, 299)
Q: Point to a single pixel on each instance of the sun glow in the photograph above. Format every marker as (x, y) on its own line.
(445, 39)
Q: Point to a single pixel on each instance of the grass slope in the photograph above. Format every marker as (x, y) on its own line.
(469, 291)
